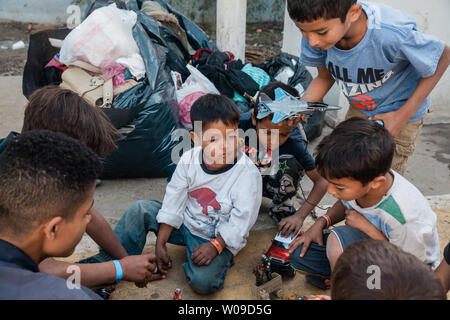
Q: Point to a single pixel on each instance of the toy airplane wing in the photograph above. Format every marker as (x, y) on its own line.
(286, 106)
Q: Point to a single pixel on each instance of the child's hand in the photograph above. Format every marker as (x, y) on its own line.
(356, 220)
(203, 254)
(162, 259)
(139, 269)
(313, 234)
(393, 121)
(290, 225)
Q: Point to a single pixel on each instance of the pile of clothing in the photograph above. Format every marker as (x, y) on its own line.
(150, 64)
(135, 52)
(238, 81)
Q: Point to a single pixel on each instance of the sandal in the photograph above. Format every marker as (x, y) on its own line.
(318, 281)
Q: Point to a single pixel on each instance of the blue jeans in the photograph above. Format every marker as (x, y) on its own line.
(315, 260)
(132, 231)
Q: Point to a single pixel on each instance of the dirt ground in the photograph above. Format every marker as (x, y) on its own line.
(262, 42)
(12, 61)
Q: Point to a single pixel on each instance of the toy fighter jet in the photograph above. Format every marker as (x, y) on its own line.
(286, 106)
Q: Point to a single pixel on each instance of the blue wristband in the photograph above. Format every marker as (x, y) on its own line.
(119, 273)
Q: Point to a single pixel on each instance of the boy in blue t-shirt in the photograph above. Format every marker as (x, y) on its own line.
(382, 64)
(281, 183)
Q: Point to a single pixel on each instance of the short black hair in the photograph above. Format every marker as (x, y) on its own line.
(402, 276)
(43, 174)
(211, 108)
(358, 148)
(269, 89)
(310, 10)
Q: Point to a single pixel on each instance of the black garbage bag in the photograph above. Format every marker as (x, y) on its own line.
(274, 64)
(146, 150)
(314, 126)
(40, 52)
(197, 37)
(150, 107)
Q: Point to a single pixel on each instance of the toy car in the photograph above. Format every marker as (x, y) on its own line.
(279, 257)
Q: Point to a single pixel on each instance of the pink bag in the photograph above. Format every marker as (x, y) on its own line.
(184, 108)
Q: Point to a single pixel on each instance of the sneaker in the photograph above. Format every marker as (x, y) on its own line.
(318, 281)
(278, 213)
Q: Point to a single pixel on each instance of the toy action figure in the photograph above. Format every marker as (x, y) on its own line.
(177, 294)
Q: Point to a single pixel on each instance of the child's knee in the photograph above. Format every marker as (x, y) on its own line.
(144, 210)
(141, 214)
(147, 207)
(333, 244)
(334, 249)
(204, 282)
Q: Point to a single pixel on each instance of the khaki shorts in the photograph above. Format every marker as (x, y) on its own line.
(405, 141)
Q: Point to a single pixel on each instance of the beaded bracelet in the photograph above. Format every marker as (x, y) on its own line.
(328, 219)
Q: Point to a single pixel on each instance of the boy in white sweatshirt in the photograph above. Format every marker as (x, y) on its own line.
(210, 204)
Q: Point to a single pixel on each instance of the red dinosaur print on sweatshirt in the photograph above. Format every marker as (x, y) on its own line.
(205, 197)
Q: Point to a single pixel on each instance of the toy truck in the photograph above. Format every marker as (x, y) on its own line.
(279, 256)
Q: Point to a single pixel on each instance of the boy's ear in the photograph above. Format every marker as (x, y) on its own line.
(52, 227)
(195, 139)
(378, 182)
(253, 119)
(354, 12)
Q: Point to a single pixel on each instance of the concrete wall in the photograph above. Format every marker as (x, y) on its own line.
(204, 11)
(432, 18)
(200, 11)
(42, 11)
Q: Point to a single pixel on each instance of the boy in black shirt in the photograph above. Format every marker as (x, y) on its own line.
(47, 183)
(294, 161)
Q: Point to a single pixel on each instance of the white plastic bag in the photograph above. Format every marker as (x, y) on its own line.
(194, 83)
(284, 74)
(195, 86)
(135, 64)
(104, 36)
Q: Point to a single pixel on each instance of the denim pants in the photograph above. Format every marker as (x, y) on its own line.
(315, 260)
(132, 231)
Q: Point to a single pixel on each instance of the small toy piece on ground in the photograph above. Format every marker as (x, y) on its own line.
(177, 294)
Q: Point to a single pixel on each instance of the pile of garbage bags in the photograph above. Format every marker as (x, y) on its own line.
(159, 63)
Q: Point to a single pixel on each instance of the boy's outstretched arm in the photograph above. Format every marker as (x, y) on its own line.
(100, 231)
(293, 223)
(319, 87)
(315, 232)
(138, 269)
(395, 120)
